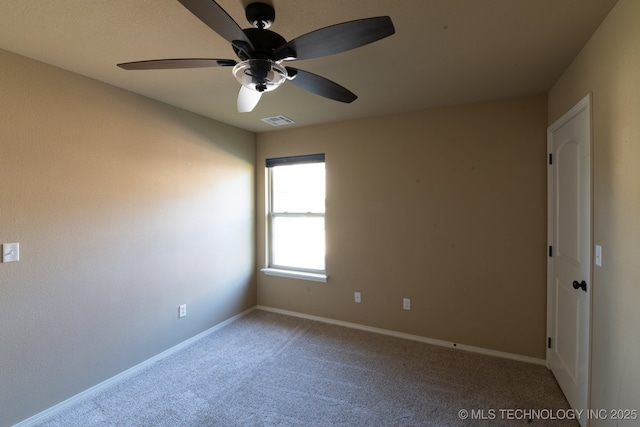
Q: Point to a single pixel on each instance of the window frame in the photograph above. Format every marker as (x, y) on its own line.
(285, 270)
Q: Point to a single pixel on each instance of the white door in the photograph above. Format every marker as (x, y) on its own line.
(569, 262)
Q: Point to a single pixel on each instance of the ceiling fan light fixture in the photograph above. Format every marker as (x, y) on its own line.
(261, 75)
(262, 51)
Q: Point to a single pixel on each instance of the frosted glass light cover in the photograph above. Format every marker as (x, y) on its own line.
(259, 74)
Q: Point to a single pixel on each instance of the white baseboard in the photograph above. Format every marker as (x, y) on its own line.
(418, 338)
(126, 374)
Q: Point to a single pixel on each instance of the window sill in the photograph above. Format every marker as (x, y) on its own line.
(315, 277)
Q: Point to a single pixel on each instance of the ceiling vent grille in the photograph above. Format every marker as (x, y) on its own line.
(278, 120)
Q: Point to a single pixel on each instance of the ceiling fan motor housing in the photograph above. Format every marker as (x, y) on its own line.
(265, 43)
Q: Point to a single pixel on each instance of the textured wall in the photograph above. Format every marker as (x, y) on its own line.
(609, 67)
(444, 206)
(124, 209)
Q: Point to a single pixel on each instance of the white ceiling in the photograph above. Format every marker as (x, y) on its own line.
(444, 52)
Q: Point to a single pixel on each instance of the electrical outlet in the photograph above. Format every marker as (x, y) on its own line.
(406, 303)
(357, 297)
(182, 311)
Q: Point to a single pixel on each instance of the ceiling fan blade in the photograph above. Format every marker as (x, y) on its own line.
(168, 64)
(337, 38)
(247, 99)
(209, 12)
(320, 86)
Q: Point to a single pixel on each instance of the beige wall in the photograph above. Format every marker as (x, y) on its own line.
(124, 208)
(609, 67)
(444, 206)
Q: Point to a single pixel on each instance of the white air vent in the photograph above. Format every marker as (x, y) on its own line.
(278, 120)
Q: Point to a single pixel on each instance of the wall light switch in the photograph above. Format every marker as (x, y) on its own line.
(357, 297)
(599, 255)
(406, 303)
(10, 252)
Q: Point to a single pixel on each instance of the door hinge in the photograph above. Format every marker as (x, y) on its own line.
(548, 342)
(550, 158)
(550, 250)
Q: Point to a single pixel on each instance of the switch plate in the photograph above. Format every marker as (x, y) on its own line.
(357, 297)
(182, 311)
(10, 252)
(406, 303)
(599, 255)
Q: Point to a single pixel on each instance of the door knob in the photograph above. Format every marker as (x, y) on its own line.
(580, 285)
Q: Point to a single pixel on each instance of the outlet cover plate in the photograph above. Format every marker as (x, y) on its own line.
(599, 255)
(10, 252)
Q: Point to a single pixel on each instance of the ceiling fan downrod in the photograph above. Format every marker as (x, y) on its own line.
(260, 15)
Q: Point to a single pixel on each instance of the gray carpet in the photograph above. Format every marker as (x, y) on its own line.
(267, 369)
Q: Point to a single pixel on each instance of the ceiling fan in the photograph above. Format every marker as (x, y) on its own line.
(262, 52)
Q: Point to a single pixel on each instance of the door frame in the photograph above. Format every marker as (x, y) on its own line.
(584, 104)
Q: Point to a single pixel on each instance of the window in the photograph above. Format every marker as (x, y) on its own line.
(295, 218)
